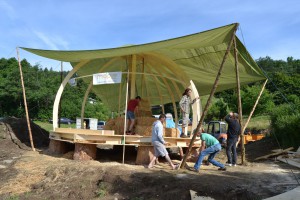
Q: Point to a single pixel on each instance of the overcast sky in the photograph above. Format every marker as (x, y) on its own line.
(267, 27)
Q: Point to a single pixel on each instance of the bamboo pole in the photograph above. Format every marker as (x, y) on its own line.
(143, 77)
(253, 109)
(25, 102)
(133, 77)
(120, 91)
(147, 90)
(237, 75)
(209, 100)
(125, 118)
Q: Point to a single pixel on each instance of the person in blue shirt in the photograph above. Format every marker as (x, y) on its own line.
(159, 143)
(210, 146)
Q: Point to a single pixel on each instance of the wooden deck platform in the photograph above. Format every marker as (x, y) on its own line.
(99, 137)
(86, 142)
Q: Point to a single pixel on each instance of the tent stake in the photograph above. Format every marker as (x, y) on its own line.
(25, 103)
(209, 100)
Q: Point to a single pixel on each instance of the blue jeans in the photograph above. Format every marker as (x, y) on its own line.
(231, 150)
(212, 152)
(130, 115)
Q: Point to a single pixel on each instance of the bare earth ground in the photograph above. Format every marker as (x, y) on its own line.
(25, 174)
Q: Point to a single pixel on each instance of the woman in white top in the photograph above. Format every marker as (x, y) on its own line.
(185, 104)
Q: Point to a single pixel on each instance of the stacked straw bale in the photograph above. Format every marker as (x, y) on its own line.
(144, 109)
(116, 124)
(171, 132)
(143, 123)
(143, 130)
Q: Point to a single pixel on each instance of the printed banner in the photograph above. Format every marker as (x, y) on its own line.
(107, 78)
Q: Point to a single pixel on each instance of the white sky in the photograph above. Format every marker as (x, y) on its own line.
(268, 27)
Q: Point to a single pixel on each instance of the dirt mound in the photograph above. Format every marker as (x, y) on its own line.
(260, 148)
(15, 132)
(39, 174)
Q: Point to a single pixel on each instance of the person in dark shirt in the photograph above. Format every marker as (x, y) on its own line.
(233, 133)
(131, 106)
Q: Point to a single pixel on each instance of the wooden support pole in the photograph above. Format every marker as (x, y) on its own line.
(133, 77)
(172, 97)
(120, 96)
(209, 100)
(125, 118)
(147, 90)
(159, 93)
(253, 109)
(143, 77)
(238, 90)
(25, 103)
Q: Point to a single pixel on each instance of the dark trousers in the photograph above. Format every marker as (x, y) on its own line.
(231, 150)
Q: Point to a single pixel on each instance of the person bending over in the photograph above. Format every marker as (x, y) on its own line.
(209, 146)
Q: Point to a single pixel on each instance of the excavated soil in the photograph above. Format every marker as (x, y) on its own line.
(25, 174)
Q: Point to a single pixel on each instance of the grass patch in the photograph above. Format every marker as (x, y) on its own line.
(49, 127)
(102, 190)
(13, 197)
(257, 123)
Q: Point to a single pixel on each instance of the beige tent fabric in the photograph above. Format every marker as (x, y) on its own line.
(165, 66)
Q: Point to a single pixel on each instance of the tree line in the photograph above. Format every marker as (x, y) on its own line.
(280, 99)
(41, 87)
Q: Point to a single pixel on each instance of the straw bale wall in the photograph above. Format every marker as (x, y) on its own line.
(171, 132)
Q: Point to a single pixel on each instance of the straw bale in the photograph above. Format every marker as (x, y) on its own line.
(171, 132)
(116, 124)
(119, 126)
(108, 127)
(145, 121)
(84, 151)
(110, 122)
(144, 105)
(143, 130)
(143, 113)
(144, 155)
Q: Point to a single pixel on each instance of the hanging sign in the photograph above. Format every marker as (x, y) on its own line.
(107, 78)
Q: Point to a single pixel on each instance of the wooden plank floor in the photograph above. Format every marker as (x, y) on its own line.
(87, 136)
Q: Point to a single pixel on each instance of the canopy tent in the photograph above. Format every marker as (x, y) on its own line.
(160, 71)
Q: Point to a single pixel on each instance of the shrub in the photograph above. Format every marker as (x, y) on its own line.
(285, 123)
